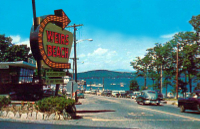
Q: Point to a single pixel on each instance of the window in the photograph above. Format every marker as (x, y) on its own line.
(26, 75)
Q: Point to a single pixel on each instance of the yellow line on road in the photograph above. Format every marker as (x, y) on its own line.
(173, 114)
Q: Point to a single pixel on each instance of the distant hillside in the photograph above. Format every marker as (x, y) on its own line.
(105, 74)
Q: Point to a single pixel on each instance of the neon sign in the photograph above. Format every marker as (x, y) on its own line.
(51, 43)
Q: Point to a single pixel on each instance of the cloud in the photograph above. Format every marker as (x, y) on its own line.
(18, 41)
(168, 36)
(81, 55)
(98, 52)
(16, 38)
(111, 50)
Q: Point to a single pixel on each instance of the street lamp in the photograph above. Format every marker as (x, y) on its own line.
(78, 41)
(75, 63)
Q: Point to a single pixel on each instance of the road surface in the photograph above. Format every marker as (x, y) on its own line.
(107, 112)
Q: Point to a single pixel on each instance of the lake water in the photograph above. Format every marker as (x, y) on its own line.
(122, 84)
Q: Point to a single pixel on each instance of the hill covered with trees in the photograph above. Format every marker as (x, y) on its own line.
(105, 74)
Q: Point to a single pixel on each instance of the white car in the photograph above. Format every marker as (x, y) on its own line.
(87, 92)
(115, 93)
(170, 95)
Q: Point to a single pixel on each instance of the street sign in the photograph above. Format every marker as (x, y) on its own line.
(54, 81)
(55, 74)
(69, 86)
(50, 42)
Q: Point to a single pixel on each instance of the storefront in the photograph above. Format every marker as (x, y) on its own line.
(16, 72)
(18, 77)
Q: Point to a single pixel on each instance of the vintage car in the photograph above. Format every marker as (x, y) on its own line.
(160, 95)
(192, 102)
(115, 93)
(106, 93)
(135, 94)
(80, 94)
(148, 97)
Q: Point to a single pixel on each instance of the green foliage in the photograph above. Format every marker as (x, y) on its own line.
(197, 87)
(163, 57)
(11, 52)
(54, 104)
(195, 22)
(143, 88)
(104, 74)
(4, 101)
(134, 85)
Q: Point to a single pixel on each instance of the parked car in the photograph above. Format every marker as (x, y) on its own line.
(130, 95)
(192, 102)
(170, 95)
(106, 93)
(87, 92)
(160, 95)
(80, 95)
(135, 94)
(148, 97)
(122, 94)
(115, 93)
(187, 94)
(94, 92)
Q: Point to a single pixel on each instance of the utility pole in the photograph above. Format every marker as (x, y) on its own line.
(161, 79)
(103, 84)
(74, 26)
(177, 72)
(90, 86)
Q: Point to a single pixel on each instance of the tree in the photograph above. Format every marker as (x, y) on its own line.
(188, 49)
(141, 66)
(195, 22)
(197, 87)
(5, 43)
(134, 85)
(11, 52)
(144, 88)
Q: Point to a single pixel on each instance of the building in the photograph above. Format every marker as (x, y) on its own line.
(18, 77)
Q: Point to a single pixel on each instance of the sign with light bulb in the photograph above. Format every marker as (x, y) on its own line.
(50, 42)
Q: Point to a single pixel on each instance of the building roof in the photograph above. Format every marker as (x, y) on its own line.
(18, 64)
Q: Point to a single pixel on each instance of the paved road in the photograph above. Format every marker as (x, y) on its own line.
(106, 112)
(122, 112)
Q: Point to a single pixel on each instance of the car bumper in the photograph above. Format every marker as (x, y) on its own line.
(151, 101)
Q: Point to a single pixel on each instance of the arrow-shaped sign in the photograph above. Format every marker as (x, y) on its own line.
(61, 20)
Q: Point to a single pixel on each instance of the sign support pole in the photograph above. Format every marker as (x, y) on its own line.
(39, 71)
(34, 14)
(35, 26)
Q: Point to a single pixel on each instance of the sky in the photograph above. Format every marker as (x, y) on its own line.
(121, 29)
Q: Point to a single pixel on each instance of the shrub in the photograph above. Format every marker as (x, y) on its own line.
(54, 104)
(4, 101)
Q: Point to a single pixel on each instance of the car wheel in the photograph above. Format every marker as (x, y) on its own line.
(158, 104)
(182, 108)
(143, 103)
(138, 102)
(198, 107)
